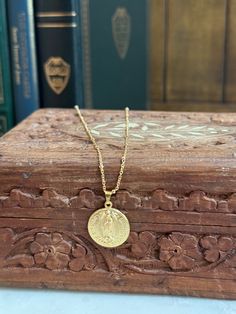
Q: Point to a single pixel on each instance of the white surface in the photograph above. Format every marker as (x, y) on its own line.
(23, 301)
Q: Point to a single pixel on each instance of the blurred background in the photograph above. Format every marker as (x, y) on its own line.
(107, 54)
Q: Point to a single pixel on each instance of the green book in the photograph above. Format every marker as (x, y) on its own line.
(115, 53)
(6, 103)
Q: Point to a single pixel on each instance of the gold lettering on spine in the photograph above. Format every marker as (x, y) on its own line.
(16, 57)
(20, 55)
(24, 55)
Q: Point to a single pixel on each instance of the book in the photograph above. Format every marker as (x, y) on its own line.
(115, 42)
(59, 55)
(6, 105)
(23, 57)
(93, 53)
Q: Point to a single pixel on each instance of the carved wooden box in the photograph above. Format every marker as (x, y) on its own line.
(178, 192)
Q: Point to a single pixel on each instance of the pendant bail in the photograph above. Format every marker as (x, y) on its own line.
(108, 202)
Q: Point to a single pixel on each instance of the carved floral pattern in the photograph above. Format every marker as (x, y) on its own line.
(197, 201)
(50, 250)
(179, 251)
(176, 251)
(216, 247)
(145, 252)
(81, 260)
(161, 200)
(142, 243)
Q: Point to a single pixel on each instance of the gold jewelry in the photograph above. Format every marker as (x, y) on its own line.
(108, 226)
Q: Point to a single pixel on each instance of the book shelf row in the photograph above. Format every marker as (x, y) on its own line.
(61, 53)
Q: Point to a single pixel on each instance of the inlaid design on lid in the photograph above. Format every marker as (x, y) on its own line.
(159, 131)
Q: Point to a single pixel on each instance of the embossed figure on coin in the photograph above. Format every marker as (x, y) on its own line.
(108, 227)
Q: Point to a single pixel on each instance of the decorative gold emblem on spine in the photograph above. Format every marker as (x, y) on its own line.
(57, 72)
(121, 31)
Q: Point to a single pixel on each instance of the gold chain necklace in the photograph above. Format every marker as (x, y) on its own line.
(108, 226)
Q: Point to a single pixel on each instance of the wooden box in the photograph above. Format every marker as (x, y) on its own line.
(178, 192)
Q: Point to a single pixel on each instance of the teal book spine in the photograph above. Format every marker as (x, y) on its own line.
(23, 57)
(6, 103)
(115, 44)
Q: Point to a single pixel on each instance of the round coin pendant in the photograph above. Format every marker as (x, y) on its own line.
(108, 227)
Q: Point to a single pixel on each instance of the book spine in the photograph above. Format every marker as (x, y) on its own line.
(115, 53)
(23, 57)
(6, 107)
(59, 52)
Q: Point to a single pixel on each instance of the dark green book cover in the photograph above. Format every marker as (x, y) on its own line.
(6, 112)
(115, 53)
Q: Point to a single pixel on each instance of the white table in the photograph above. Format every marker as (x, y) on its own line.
(23, 301)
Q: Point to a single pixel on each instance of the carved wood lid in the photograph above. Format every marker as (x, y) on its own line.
(170, 147)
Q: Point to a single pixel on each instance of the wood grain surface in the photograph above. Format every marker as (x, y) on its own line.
(157, 49)
(193, 51)
(178, 192)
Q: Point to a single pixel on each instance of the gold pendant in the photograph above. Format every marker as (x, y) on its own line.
(108, 226)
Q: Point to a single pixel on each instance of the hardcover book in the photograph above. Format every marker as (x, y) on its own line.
(59, 52)
(93, 53)
(115, 45)
(23, 57)
(6, 106)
